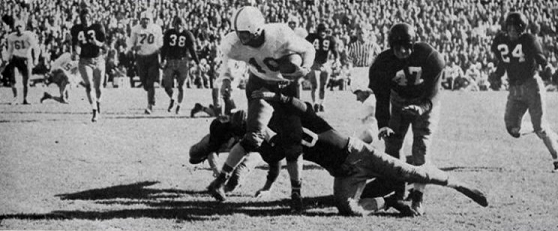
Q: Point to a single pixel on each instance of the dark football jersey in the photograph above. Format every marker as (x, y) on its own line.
(177, 44)
(519, 58)
(416, 78)
(319, 145)
(323, 46)
(220, 132)
(82, 36)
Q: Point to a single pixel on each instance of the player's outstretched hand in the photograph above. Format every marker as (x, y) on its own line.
(263, 193)
(385, 132)
(264, 94)
(413, 110)
(299, 72)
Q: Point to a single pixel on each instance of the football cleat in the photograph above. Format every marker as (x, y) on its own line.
(25, 102)
(197, 108)
(14, 101)
(400, 205)
(94, 118)
(177, 109)
(555, 167)
(416, 202)
(316, 107)
(297, 207)
(216, 191)
(171, 105)
(475, 195)
(321, 107)
(45, 97)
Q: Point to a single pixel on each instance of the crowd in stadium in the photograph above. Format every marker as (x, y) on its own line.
(462, 30)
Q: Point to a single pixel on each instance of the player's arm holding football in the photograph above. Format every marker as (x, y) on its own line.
(306, 50)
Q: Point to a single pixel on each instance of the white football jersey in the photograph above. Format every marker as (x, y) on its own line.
(66, 64)
(280, 40)
(21, 46)
(149, 39)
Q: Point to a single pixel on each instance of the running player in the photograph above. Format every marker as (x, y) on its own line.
(262, 46)
(88, 42)
(519, 54)
(177, 42)
(325, 45)
(146, 40)
(23, 54)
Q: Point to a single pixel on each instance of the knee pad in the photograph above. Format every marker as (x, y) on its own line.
(514, 131)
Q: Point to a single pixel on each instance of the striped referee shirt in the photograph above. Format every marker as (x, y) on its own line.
(361, 54)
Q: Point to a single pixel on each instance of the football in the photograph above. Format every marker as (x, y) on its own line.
(289, 63)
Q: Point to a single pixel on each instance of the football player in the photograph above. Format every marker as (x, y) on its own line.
(224, 132)
(146, 41)
(64, 73)
(23, 54)
(519, 55)
(406, 80)
(352, 162)
(325, 45)
(177, 42)
(261, 46)
(88, 42)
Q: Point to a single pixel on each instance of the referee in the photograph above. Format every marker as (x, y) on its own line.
(361, 54)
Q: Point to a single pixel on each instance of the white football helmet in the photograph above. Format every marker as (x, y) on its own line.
(248, 18)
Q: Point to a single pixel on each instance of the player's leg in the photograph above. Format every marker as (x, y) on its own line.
(516, 108)
(12, 66)
(25, 75)
(324, 78)
(181, 79)
(537, 111)
(373, 163)
(242, 171)
(313, 77)
(168, 82)
(393, 144)
(423, 127)
(98, 80)
(259, 115)
(86, 72)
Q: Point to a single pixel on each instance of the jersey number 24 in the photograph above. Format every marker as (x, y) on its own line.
(516, 53)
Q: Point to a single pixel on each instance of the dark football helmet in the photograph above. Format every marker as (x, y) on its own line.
(517, 20)
(402, 34)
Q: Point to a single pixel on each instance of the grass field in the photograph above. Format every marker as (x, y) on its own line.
(130, 171)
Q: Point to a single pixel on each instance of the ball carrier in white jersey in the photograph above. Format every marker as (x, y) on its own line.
(88, 42)
(261, 46)
(146, 40)
(20, 45)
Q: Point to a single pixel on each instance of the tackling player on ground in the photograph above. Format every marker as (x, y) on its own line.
(177, 42)
(146, 40)
(262, 46)
(88, 42)
(406, 81)
(23, 54)
(321, 70)
(519, 55)
(64, 73)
